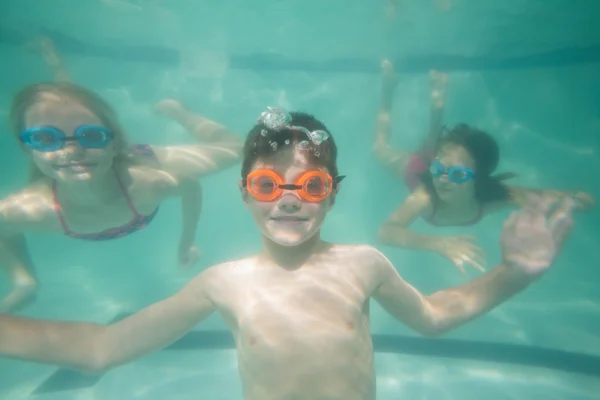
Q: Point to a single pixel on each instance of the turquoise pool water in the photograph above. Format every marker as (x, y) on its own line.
(228, 60)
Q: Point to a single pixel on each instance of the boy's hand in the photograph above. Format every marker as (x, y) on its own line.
(533, 236)
(584, 201)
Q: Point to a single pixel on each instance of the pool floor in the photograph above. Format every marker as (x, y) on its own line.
(212, 374)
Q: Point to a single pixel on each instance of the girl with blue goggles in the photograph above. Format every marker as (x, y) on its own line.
(456, 174)
(49, 138)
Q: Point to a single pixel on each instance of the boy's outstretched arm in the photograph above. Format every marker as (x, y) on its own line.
(583, 201)
(531, 240)
(96, 348)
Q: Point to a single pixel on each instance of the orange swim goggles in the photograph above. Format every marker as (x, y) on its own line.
(313, 186)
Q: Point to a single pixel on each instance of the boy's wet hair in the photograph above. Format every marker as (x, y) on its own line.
(484, 150)
(263, 143)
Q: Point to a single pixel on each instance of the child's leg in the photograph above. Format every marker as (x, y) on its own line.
(395, 160)
(53, 60)
(439, 82)
(388, 86)
(390, 10)
(220, 148)
(202, 129)
(443, 5)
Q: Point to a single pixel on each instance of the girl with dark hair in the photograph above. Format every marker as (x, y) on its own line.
(451, 179)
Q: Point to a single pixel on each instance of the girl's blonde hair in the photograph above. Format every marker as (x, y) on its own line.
(34, 93)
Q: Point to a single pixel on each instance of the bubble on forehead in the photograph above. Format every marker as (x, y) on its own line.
(304, 145)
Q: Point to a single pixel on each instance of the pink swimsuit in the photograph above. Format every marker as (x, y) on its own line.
(138, 222)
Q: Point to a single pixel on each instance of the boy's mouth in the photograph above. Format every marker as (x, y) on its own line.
(288, 219)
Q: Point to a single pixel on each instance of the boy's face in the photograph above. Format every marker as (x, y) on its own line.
(288, 220)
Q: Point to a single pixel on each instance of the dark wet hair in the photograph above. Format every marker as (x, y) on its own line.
(259, 146)
(486, 154)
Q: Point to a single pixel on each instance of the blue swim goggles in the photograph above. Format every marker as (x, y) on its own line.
(456, 174)
(49, 138)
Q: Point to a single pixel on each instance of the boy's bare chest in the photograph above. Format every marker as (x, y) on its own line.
(274, 307)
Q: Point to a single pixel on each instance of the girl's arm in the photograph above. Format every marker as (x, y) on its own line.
(15, 259)
(394, 232)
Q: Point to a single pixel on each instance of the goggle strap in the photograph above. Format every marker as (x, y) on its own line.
(338, 179)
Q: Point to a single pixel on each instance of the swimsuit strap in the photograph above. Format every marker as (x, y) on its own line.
(61, 217)
(127, 198)
(58, 210)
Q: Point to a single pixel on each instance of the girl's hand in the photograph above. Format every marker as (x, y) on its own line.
(23, 293)
(188, 256)
(461, 250)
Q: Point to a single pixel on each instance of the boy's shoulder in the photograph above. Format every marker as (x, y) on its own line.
(224, 274)
(355, 249)
(231, 266)
(365, 262)
(361, 254)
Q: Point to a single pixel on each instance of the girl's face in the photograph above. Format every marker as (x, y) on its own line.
(73, 161)
(452, 155)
